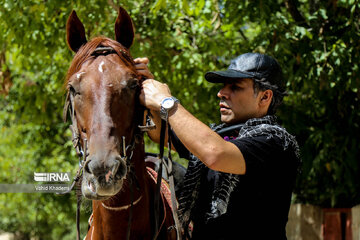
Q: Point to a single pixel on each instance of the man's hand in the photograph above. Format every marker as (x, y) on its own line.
(152, 93)
(142, 68)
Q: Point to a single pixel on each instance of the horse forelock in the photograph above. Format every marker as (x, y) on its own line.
(86, 52)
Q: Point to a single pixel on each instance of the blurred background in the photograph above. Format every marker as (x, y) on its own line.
(317, 43)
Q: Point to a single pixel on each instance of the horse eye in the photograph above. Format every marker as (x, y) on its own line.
(73, 91)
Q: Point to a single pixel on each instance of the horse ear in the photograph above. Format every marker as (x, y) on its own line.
(124, 30)
(75, 32)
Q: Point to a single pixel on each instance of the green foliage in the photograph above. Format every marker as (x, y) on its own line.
(316, 42)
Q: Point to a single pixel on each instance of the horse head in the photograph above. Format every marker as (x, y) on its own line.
(103, 87)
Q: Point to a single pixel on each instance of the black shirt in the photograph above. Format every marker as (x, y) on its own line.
(259, 205)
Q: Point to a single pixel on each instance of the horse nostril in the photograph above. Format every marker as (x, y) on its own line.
(120, 168)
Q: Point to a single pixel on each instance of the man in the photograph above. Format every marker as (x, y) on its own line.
(241, 174)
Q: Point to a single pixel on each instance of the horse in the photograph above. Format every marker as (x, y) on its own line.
(103, 90)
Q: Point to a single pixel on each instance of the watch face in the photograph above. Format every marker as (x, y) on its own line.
(168, 103)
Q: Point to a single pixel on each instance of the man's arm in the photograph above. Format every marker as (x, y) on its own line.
(198, 138)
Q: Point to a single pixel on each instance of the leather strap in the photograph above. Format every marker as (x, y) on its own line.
(172, 187)
(159, 177)
(169, 170)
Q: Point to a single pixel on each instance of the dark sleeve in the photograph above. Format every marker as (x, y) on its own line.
(260, 152)
(179, 146)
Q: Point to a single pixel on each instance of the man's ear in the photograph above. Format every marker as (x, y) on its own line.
(266, 97)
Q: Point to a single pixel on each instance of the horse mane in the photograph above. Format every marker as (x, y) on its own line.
(86, 51)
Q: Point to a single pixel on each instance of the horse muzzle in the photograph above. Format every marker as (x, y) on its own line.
(103, 179)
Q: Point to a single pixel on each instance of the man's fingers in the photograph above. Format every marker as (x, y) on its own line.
(148, 81)
(144, 72)
(140, 66)
(144, 60)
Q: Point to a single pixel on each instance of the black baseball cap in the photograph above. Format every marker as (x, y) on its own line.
(249, 65)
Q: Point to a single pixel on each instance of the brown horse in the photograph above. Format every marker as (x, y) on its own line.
(103, 87)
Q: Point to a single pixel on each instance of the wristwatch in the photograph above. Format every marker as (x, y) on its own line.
(166, 105)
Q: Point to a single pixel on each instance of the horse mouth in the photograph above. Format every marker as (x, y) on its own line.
(93, 190)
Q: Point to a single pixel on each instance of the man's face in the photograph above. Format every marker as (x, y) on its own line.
(238, 101)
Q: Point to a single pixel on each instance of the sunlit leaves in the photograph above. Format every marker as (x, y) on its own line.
(183, 40)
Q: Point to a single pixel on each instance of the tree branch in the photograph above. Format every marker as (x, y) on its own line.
(295, 13)
(5, 76)
(243, 35)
